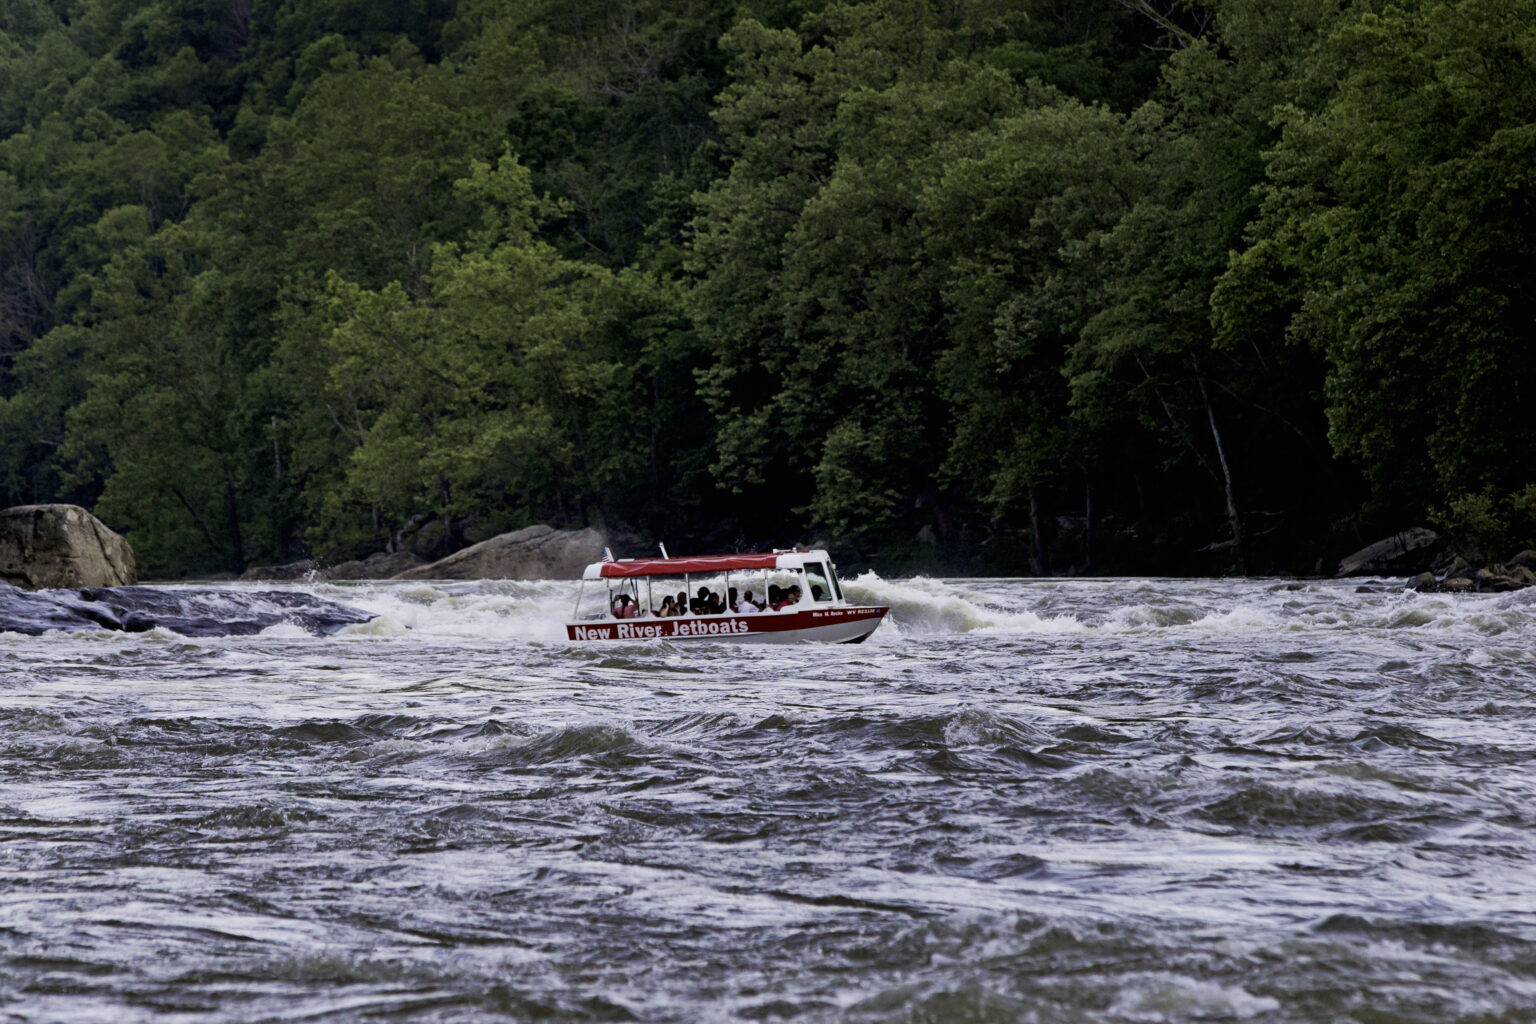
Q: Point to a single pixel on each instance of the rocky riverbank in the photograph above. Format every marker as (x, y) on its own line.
(1458, 576)
(1434, 566)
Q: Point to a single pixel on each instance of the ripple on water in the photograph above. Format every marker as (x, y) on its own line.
(1065, 800)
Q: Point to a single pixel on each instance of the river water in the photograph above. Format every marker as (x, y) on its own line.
(1105, 800)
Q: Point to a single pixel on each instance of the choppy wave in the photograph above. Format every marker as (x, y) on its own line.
(1106, 801)
(538, 610)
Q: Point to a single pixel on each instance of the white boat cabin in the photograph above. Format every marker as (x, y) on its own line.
(784, 582)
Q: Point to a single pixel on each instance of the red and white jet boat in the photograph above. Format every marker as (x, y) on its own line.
(795, 594)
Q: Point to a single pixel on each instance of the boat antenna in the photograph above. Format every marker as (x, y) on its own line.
(663, 551)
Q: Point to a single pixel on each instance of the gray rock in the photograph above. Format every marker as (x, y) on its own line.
(1523, 576)
(1525, 559)
(1490, 581)
(1424, 583)
(1409, 551)
(1456, 585)
(188, 611)
(1459, 568)
(533, 553)
(378, 566)
(292, 571)
(53, 546)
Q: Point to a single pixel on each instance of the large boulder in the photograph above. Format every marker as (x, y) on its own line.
(533, 553)
(1404, 553)
(43, 547)
(378, 566)
(290, 571)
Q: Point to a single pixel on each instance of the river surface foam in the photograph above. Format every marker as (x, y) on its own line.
(1020, 800)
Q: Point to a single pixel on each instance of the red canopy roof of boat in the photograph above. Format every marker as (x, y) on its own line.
(698, 564)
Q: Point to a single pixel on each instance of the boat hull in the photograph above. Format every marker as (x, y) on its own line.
(838, 625)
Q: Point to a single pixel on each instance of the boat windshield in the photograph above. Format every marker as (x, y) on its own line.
(820, 583)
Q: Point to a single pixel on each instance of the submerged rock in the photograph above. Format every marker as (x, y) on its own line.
(44, 546)
(534, 553)
(190, 612)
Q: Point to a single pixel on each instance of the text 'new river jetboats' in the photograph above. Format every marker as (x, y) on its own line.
(776, 598)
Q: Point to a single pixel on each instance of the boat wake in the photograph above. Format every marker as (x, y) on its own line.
(537, 610)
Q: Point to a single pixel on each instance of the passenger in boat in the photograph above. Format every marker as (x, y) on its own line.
(680, 606)
(666, 610)
(730, 600)
(747, 605)
(775, 596)
(818, 594)
(623, 608)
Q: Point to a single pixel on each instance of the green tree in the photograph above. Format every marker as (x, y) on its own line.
(1393, 241)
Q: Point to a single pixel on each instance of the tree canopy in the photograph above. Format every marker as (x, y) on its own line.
(974, 285)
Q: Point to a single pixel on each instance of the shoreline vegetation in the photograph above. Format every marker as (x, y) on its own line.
(966, 288)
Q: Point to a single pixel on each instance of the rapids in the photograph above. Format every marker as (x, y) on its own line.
(1020, 800)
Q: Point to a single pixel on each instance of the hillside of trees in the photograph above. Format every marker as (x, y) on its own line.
(962, 285)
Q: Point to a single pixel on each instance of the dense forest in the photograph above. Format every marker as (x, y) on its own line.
(988, 285)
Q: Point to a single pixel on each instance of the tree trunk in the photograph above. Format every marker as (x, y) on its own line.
(236, 541)
(197, 520)
(1087, 518)
(277, 453)
(1226, 475)
(1037, 564)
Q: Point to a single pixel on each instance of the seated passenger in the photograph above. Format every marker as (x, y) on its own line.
(623, 608)
(680, 605)
(775, 596)
(747, 605)
(791, 596)
(666, 610)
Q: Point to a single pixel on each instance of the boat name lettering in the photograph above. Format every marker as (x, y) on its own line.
(593, 633)
(700, 628)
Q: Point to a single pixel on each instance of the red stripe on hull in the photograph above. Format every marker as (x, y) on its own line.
(727, 627)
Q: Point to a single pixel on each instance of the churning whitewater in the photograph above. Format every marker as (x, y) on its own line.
(1104, 800)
